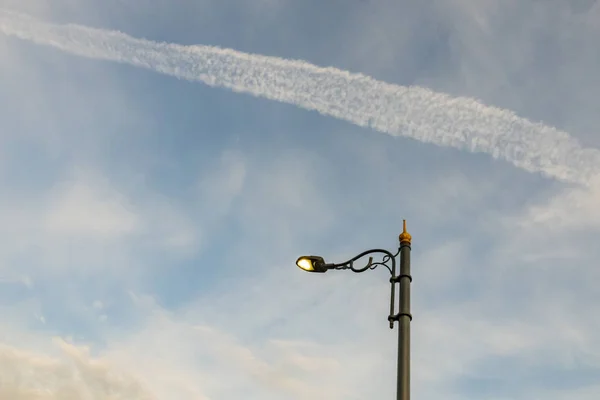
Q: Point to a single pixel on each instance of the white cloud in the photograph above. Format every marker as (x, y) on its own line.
(75, 375)
(575, 208)
(224, 345)
(88, 206)
(168, 356)
(413, 112)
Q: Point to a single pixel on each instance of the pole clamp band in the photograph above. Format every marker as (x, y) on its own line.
(399, 315)
(397, 279)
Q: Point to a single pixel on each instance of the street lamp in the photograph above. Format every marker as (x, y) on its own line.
(403, 317)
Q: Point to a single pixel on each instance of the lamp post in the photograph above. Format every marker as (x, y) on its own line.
(403, 317)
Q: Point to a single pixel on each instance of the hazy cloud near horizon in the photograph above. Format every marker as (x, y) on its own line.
(149, 225)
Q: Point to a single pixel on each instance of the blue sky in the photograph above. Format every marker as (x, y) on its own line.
(150, 222)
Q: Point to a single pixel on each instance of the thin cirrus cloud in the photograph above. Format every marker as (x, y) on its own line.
(413, 112)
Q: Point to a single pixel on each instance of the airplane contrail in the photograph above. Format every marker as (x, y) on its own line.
(414, 112)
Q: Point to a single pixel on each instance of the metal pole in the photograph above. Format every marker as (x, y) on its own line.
(404, 317)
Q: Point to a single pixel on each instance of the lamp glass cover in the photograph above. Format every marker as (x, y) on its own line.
(306, 264)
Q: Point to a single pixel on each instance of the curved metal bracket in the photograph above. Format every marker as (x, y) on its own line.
(387, 258)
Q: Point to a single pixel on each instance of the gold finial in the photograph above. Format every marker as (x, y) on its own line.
(405, 236)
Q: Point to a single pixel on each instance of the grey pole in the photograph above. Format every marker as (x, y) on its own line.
(404, 317)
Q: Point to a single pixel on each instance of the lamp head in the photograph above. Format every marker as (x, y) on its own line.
(312, 264)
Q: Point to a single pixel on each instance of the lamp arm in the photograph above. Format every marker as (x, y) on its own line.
(349, 264)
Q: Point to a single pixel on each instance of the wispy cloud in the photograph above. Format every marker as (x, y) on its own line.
(84, 206)
(413, 112)
(168, 356)
(73, 376)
